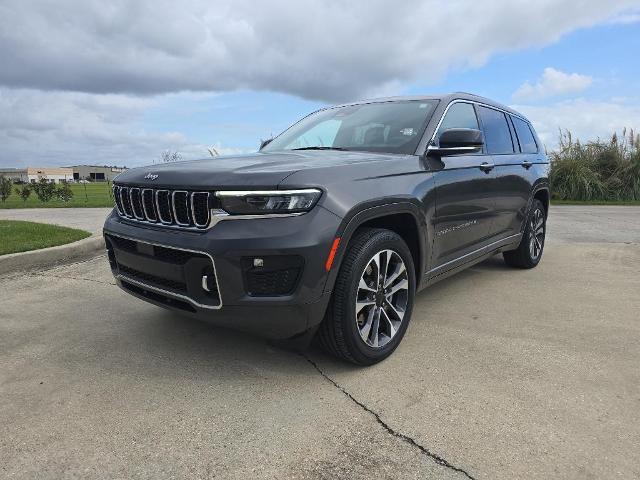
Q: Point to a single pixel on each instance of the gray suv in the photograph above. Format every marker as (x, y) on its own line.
(331, 228)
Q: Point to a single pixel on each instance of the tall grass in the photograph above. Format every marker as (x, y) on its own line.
(596, 170)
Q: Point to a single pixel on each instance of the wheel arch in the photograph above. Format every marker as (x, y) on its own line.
(403, 217)
(544, 196)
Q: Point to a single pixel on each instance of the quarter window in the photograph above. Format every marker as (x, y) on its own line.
(525, 137)
(497, 137)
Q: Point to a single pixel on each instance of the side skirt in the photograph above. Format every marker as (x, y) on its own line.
(454, 266)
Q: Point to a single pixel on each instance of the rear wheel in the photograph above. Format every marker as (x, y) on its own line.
(372, 300)
(529, 252)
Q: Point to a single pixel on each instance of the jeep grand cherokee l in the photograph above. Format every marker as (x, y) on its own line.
(332, 227)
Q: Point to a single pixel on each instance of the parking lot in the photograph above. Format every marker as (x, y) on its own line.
(502, 374)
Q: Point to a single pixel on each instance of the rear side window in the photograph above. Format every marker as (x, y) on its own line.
(497, 136)
(525, 136)
(459, 115)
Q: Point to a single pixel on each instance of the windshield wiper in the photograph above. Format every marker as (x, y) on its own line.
(320, 148)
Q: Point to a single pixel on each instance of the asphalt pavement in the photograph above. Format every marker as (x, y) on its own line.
(502, 374)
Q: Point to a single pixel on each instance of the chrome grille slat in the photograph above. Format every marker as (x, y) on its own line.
(150, 214)
(179, 200)
(136, 203)
(204, 196)
(160, 203)
(117, 199)
(126, 205)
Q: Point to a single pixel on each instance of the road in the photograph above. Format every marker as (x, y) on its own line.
(502, 374)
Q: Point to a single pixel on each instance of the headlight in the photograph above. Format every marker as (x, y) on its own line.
(272, 201)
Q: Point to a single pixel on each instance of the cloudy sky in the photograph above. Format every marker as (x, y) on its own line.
(118, 82)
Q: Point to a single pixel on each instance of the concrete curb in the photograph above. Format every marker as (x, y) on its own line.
(51, 256)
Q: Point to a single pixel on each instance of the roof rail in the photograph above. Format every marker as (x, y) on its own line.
(467, 93)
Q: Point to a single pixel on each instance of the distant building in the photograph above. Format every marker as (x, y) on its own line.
(96, 173)
(34, 174)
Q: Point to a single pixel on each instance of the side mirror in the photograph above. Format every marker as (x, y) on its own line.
(456, 141)
(264, 143)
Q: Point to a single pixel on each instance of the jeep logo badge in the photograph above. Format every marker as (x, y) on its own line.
(150, 176)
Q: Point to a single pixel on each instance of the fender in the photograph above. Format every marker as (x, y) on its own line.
(376, 209)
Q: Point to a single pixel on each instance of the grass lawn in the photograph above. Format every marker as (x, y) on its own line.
(17, 236)
(96, 195)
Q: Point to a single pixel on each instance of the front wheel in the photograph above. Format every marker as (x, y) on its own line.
(372, 299)
(529, 252)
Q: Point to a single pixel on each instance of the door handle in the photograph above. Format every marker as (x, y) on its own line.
(486, 167)
(527, 164)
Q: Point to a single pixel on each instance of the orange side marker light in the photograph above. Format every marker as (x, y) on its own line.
(332, 254)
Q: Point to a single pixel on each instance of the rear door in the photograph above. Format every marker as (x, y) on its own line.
(511, 188)
(513, 179)
(464, 197)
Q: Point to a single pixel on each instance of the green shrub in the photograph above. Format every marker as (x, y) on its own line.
(5, 188)
(44, 190)
(24, 192)
(597, 170)
(64, 192)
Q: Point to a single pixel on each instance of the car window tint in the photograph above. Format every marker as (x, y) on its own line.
(525, 137)
(497, 136)
(459, 115)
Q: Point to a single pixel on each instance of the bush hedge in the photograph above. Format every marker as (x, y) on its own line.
(598, 170)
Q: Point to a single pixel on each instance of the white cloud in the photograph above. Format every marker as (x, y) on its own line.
(553, 83)
(625, 18)
(64, 128)
(78, 77)
(587, 120)
(329, 50)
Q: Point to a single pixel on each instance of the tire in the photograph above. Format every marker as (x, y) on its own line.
(348, 330)
(529, 252)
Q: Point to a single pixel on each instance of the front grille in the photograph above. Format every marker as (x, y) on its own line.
(178, 208)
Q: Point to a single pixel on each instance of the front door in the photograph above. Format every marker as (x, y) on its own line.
(465, 204)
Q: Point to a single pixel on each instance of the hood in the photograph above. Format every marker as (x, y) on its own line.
(257, 170)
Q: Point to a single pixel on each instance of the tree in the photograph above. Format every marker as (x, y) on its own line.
(64, 192)
(24, 192)
(44, 189)
(169, 156)
(5, 188)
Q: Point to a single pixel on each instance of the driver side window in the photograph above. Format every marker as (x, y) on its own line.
(459, 115)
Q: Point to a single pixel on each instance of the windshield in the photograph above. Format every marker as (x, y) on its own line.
(390, 127)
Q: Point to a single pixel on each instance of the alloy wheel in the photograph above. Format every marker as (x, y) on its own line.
(536, 234)
(382, 298)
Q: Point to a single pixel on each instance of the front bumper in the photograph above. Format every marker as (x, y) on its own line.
(226, 252)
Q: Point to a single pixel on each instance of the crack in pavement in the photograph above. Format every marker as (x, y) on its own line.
(405, 438)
